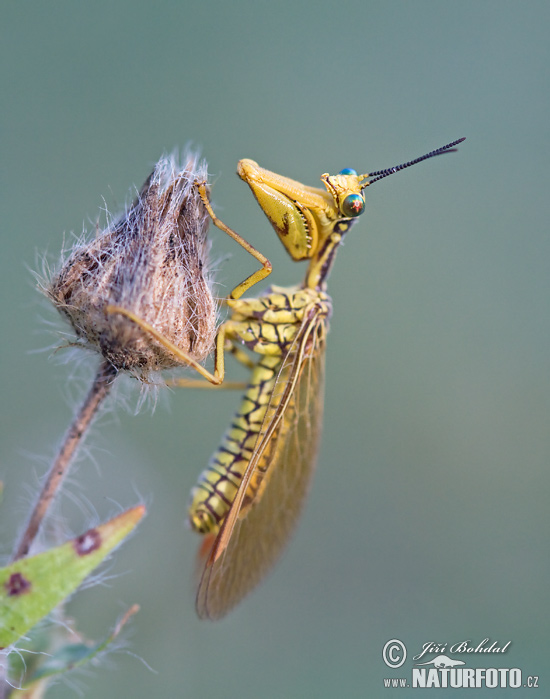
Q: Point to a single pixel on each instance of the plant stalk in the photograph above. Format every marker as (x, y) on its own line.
(75, 435)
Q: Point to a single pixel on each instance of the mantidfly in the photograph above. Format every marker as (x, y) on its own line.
(247, 501)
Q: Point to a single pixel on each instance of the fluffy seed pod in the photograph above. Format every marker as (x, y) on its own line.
(152, 262)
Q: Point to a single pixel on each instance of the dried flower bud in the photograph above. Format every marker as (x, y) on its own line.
(153, 262)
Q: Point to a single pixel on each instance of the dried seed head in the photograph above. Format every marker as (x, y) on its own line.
(153, 262)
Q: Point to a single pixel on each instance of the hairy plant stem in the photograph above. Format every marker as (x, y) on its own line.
(83, 419)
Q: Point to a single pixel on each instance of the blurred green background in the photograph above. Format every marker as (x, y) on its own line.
(428, 519)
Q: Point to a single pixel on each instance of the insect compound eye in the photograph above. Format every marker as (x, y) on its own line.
(353, 205)
(347, 171)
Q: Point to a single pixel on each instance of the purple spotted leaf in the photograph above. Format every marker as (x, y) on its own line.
(32, 587)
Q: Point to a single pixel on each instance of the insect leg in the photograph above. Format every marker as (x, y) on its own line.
(257, 276)
(239, 355)
(216, 377)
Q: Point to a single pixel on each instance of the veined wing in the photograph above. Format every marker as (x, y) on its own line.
(247, 546)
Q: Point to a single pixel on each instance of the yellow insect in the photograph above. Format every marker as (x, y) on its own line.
(248, 499)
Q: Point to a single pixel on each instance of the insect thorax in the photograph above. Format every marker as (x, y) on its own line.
(268, 324)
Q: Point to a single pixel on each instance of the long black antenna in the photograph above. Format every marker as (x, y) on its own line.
(379, 174)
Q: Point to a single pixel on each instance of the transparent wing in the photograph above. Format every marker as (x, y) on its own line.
(253, 536)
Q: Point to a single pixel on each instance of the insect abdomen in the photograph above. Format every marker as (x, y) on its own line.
(211, 498)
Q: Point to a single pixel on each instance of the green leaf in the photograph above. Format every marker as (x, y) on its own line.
(32, 587)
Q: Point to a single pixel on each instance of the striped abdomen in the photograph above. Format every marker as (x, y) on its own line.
(211, 498)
